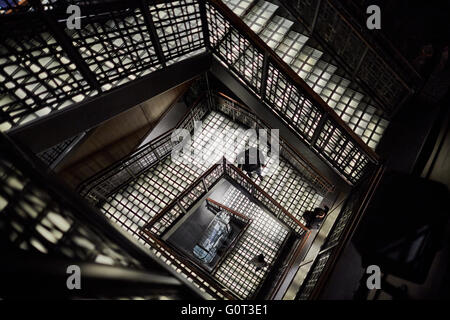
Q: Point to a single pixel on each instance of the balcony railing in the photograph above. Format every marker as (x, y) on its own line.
(382, 71)
(98, 187)
(45, 225)
(349, 217)
(240, 113)
(155, 229)
(285, 93)
(104, 183)
(46, 67)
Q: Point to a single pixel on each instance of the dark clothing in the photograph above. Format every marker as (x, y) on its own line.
(259, 262)
(313, 218)
(250, 161)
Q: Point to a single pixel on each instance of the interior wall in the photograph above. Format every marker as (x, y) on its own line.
(117, 137)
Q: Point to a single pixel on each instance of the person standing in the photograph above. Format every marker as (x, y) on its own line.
(259, 261)
(315, 217)
(251, 160)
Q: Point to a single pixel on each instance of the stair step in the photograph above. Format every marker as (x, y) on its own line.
(361, 118)
(306, 60)
(320, 76)
(348, 104)
(291, 46)
(275, 31)
(260, 15)
(333, 91)
(238, 6)
(372, 135)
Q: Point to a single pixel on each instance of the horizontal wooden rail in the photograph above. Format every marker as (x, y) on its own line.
(152, 240)
(181, 196)
(245, 31)
(327, 185)
(265, 194)
(228, 209)
(116, 167)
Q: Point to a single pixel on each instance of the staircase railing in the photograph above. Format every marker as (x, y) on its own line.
(45, 225)
(105, 182)
(174, 211)
(341, 232)
(285, 93)
(240, 113)
(161, 223)
(376, 65)
(100, 57)
(109, 180)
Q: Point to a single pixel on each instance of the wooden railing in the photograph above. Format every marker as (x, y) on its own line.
(341, 232)
(279, 87)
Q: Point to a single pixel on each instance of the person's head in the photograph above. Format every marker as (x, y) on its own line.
(261, 257)
(326, 209)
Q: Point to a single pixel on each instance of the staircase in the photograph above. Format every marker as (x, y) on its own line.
(356, 109)
(136, 203)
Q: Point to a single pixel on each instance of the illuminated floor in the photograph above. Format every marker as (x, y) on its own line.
(265, 235)
(95, 43)
(138, 202)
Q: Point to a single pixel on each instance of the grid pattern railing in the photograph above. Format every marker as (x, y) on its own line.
(319, 68)
(265, 234)
(185, 268)
(352, 209)
(390, 83)
(266, 200)
(98, 187)
(41, 219)
(165, 219)
(243, 115)
(255, 64)
(46, 67)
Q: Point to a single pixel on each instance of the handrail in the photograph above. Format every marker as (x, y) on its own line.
(152, 240)
(175, 201)
(274, 202)
(226, 166)
(82, 187)
(87, 186)
(228, 209)
(335, 250)
(261, 45)
(156, 234)
(327, 185)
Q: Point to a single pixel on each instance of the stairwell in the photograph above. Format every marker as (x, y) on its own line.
(299, 52)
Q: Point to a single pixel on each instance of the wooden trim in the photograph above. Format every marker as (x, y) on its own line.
(295, 151)
(287, 70)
